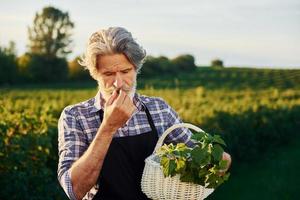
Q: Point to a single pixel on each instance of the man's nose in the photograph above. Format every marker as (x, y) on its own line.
(118, 81)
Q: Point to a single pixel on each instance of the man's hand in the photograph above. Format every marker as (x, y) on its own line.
(118, 109)
(226, 157)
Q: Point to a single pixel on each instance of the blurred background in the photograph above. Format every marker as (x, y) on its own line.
(229, 67)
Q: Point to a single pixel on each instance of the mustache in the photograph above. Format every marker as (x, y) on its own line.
(110, 90)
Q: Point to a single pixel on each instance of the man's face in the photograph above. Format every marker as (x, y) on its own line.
(116, 72)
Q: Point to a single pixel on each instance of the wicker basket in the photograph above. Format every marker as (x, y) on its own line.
(156, 186)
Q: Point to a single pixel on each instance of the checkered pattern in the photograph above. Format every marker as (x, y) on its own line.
(79, 123)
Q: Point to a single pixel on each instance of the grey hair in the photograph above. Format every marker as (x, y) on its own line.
(110, 41)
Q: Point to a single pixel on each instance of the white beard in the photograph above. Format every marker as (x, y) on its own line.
(132, 91)
(106, 93)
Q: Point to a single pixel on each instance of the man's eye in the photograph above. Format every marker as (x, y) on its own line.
(108, 74)
(125, 71)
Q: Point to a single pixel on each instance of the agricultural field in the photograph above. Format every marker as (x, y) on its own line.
(258, 120)
(228, 78)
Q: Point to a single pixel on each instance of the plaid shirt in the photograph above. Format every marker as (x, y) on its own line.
(78, 125)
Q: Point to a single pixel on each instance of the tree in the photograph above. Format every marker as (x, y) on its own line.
(44, 69)
(185, 63)
(217, 63)
(77, 72)
(8, 64)
(23, 64)
(166, 66)
(157, 66)
(49, 43)
(50, 34)
(150, 67)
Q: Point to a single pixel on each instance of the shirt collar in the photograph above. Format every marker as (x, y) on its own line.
(99, 102)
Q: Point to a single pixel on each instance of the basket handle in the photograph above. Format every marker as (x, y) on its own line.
(169, 130)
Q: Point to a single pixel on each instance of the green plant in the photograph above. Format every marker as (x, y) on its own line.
(201, 164)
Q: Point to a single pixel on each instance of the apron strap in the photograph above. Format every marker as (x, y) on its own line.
(149, 118)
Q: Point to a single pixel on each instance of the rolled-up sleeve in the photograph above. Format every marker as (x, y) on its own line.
(72, 144)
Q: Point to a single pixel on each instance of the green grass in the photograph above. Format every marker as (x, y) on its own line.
(275, 177)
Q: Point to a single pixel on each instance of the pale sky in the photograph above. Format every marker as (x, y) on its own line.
(260, 33)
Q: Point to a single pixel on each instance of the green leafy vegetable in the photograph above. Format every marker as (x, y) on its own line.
(201, 164)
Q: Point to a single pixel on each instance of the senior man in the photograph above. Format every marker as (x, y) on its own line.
(103, 141)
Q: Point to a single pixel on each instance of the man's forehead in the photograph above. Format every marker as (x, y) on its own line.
(113, 62)
(119, 66)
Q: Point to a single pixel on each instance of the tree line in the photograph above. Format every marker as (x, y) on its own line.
(49, 43)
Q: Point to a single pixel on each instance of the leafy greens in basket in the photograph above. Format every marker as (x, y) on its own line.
(200, 164)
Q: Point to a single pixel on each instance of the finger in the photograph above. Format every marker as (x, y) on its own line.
(120, 98)
(112, 98)
(126, 99)
(221, 172)
(227, 157)
(129, 105)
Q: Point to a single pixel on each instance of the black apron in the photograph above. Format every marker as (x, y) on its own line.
(121, 173)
